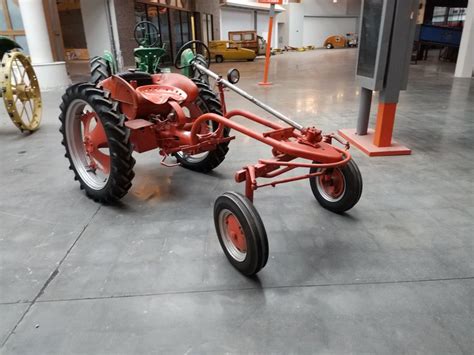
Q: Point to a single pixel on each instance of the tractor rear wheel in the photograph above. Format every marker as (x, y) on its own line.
(241, 233)
(197, 75)
(337, 189)
(100, 69)
(97, 143)
(207, 102)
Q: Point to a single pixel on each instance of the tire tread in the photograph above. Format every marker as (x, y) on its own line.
(120, 147)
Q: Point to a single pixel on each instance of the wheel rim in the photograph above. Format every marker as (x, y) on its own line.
(87, 144)
(331, 185)
(196, 109)
(232, 235)
(21, 92)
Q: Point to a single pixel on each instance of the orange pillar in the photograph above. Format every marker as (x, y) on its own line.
(269, 43)
(384, 125)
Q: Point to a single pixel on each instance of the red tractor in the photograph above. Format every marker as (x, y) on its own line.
(102, 125)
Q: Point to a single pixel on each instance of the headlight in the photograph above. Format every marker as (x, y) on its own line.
(233, 76)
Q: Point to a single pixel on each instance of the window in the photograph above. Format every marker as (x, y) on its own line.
(448, 16)
(11, 23)
(15, 15)
(140, 12)
(456, 15)
(439, 15)
(174, 25)
(207, 28)
(249, 37)
(236, 37)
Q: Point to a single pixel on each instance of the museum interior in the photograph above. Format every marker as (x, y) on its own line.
(237, 177)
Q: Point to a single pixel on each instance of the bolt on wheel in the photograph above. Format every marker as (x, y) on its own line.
(241, 233)
(21, 91)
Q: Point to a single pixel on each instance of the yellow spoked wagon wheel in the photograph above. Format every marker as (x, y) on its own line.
(20, 91)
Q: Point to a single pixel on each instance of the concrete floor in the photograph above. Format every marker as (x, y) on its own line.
(393, 275)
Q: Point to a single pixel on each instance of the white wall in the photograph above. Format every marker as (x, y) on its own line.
(324, 7)
(295, 24)
(312, 21)
(262, 27)
(317, 29)
(353, 7)
(465, 63)
(234, 19)
(96, 28)
(329, 8)
(281, 35)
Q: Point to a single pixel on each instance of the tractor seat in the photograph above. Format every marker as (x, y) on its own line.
(160, 94)
(141, 78)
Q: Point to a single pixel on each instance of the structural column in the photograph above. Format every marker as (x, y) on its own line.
(97, 27)
(465, 63)
(50, 74)
(364, 111)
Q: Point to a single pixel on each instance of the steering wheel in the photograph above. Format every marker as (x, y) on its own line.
(146, 34)
(193, 45)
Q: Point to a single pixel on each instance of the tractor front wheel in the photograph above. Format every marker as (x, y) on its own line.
(337, 189)
(97, 143)
(241, 233)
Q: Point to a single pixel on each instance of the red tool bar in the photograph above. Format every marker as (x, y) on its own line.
(253, 117)
(322, 152)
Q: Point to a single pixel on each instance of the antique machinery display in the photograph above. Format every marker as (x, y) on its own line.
(19, 86)
(103, 124)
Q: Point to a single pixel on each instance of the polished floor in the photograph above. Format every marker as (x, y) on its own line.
(393, 275)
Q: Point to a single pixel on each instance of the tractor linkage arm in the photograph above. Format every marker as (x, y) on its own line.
(287, 144)
(220, 81)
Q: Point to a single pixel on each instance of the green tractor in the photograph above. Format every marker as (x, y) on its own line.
(147, 57)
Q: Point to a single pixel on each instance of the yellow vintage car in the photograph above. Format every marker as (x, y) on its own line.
(228, 50)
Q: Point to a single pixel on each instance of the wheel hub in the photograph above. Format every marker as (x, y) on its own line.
(88, 144)
(93, 139)
(23, 92)
(332, 182)
(235, 232)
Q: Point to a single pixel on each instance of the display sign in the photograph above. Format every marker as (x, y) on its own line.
(374, 36)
